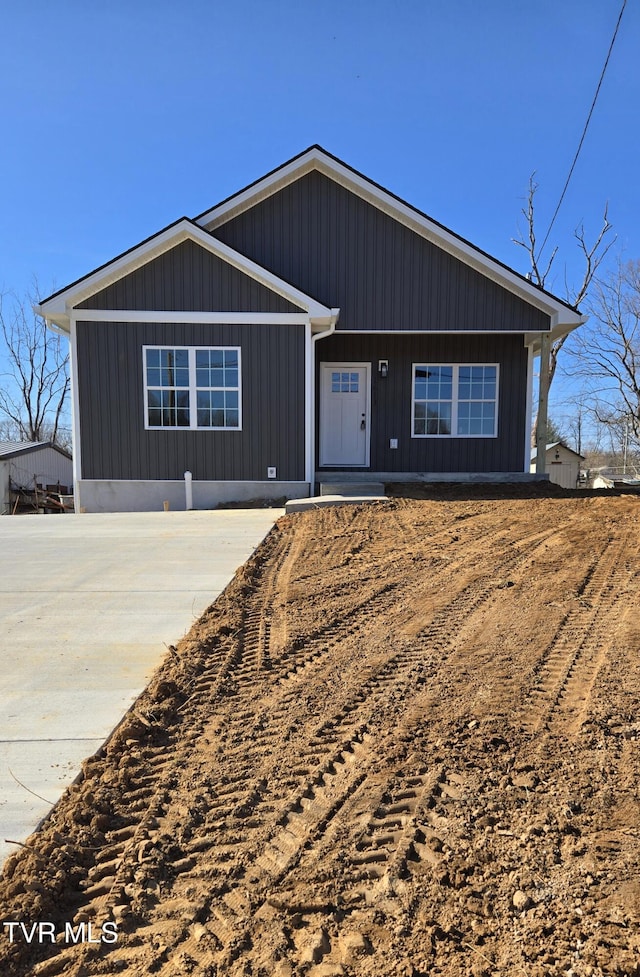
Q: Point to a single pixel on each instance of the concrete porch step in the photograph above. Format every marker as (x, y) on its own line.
(320, 501)
(360, 489)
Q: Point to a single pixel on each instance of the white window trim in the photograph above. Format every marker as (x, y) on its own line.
(193, 389)
(454, 401)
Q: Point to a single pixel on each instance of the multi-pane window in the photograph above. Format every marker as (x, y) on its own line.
(167, 378)
(217, 387)
(345, 383)
(454, 400)
(477, 400)
(432, 391)
(192, 387)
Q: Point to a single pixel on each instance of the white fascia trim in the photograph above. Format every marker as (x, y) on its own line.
(434, 332)
(324, 325)
(230, 318)
(315, 159)
(57, 309)
(240, 202)
(559, 328)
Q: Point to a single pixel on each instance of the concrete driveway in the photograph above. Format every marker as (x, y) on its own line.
(86, 605)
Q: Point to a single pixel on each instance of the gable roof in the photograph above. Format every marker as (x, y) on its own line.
(316, 158)
(556, 444)
(56, 308)
(13, 449)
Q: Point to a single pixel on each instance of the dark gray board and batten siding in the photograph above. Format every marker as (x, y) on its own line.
(115, 444)
(383, 276)
(348, 254)
(188, 278)
(345, 253)
(391, 400)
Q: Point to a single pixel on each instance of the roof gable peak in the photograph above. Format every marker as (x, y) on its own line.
(56, 308)
(317, 158)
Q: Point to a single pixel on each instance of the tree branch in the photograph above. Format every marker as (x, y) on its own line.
(35, 387)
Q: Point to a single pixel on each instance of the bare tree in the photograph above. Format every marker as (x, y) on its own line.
(592, 257)
(555, 431)
(34, 374)
(608, 357)
(576, 425)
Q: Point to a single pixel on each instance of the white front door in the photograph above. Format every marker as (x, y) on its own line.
(344, 414)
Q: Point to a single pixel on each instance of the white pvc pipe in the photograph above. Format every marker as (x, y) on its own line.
(188, 489)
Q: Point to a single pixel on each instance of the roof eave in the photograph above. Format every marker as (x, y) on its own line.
(561, 326)
(28, 447)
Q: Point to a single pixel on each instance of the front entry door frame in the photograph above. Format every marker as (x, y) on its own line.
(326, 460)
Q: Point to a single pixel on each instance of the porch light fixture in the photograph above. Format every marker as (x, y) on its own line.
(383, 369)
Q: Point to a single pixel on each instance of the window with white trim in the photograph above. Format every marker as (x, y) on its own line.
(454, 400)
(192, 387)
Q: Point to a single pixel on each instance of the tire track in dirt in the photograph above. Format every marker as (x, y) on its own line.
(107, 883)
(387, 845)
(389, 842)
(110, 881)
(318, 887)
(466, 528)
(408, 618)
(332, 754)
(568, 667)
(306, 755)
(330, 750)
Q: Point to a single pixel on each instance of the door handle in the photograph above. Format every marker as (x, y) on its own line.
(363, 423)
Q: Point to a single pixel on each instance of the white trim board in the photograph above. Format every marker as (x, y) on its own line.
(309, 401)
(75, 404)
(226, 318)
(528, 419)
(438, 332)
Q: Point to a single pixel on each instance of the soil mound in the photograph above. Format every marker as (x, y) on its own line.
(403, 741)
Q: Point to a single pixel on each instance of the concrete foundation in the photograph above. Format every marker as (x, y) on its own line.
(328, 477)
(322, 501)
(142, 496)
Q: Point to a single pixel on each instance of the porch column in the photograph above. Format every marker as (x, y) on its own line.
(543, 404)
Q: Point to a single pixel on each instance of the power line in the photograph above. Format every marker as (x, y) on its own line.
(584, 131)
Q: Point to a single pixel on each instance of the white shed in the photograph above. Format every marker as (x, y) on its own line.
(30, 465)
(598, 481)
(563, 465)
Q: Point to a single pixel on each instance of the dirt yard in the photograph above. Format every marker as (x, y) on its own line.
(405, 741)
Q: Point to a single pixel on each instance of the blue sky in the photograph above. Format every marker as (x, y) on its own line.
(120, 117)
